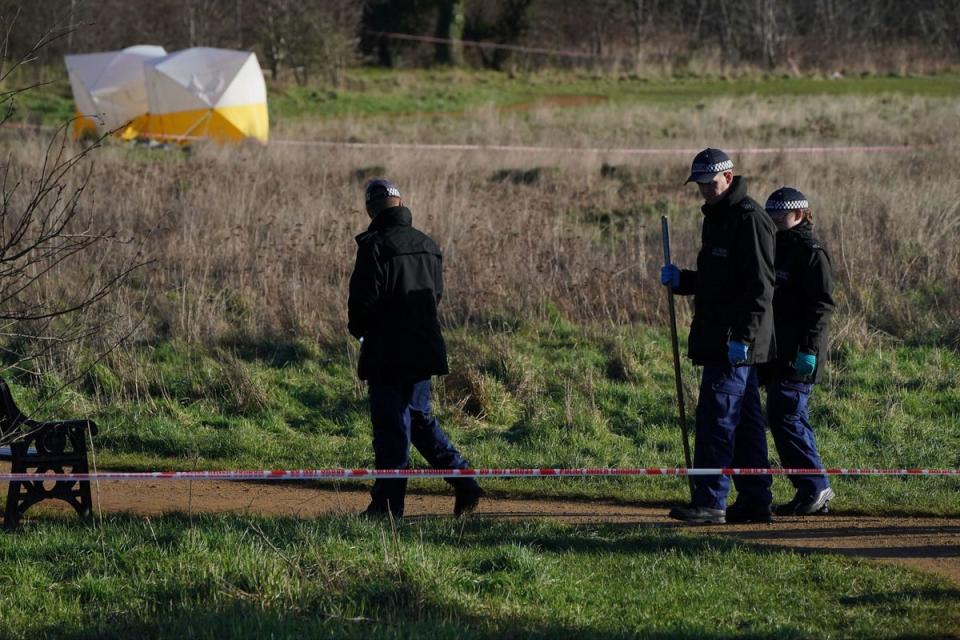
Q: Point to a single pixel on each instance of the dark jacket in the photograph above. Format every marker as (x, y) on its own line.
(803, 302)
(733, 283)
(394, 292)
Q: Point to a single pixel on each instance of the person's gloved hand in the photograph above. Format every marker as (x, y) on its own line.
(670, 276)
(805, 364)
(737, 352)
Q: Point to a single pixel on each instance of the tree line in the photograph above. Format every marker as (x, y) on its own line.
(304, 39)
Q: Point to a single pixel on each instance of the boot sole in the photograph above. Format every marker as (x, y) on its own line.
(704, 520)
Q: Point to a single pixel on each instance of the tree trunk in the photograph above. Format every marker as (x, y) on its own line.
(451, 16)
(636, 21)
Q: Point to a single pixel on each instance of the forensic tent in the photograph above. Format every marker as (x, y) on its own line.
(109, 91)
(206, 93)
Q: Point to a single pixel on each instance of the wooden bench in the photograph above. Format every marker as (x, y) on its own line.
(40, 448)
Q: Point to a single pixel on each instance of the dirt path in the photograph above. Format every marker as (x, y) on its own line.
(930, 544)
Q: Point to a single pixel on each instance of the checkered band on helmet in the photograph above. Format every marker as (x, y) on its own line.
(716, 167)
(708, 163)
(786, 199)
(788, 205)
(380, 188)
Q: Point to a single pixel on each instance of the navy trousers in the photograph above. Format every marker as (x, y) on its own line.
(787, 411)
(730, 433)
(402, 414)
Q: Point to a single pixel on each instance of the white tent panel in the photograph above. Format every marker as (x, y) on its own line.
(204, 71)
(247, 87)
(166, 95)
(110, 85)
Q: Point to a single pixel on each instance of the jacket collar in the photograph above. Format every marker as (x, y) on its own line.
(734, 194)
(393, 217)
(801, 230)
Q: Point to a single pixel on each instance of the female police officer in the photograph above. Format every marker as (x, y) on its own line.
(802, 306)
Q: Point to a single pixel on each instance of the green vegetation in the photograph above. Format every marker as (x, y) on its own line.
(253, 242)
(378, 92)
(518, 396)
(49, 104)
(226, 576)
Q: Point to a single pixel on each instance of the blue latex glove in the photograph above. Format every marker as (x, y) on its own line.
(805, 364)
(670, 276)
(737, 352)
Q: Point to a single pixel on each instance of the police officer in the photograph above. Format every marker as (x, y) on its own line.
(802, 307)
(731, 332)
(395, 288)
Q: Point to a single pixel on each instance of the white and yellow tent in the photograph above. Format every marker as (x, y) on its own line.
(108, 89)
(206, 93)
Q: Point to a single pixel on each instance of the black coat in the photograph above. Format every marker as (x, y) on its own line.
(395, 288)
(733, 283)
(803, 302)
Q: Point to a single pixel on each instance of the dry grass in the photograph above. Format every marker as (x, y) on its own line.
(252, 245)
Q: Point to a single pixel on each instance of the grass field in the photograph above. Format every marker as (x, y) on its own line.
(536, 395)
(227, 577)
(237, 357)
(373, 92)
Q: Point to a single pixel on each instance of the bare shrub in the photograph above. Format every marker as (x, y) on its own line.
(55, 276)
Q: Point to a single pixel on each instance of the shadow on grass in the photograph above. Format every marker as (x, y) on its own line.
(895, 599)
(425, 620)
(275, 353)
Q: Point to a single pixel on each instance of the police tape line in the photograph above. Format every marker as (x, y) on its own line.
(499, 148)
(640, 151)
(391, 474)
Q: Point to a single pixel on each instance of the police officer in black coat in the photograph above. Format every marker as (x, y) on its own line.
(731, 332)
(802, 307)
(395, 288)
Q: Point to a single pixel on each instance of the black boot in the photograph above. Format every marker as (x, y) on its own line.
(738, 513)
(466, 497)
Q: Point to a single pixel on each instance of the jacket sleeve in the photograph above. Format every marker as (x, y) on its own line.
(818, 289)
(688, 283)
(365, 289)
(755, 272)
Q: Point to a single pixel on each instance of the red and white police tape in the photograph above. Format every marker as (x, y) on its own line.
(374, 474)
(637, 151)
(499, 148)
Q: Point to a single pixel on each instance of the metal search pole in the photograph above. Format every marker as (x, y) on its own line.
(665, 232)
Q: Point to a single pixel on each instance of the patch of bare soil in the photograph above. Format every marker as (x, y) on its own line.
(929, 544)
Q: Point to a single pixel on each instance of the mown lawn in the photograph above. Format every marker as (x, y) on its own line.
(227, 576)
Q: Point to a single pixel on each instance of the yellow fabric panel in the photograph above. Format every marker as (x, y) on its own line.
(233, 124)
(83, 125)
(252, 119)
(133, 128)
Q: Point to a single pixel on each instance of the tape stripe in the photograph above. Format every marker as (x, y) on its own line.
(641, 151)
(373, 474)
